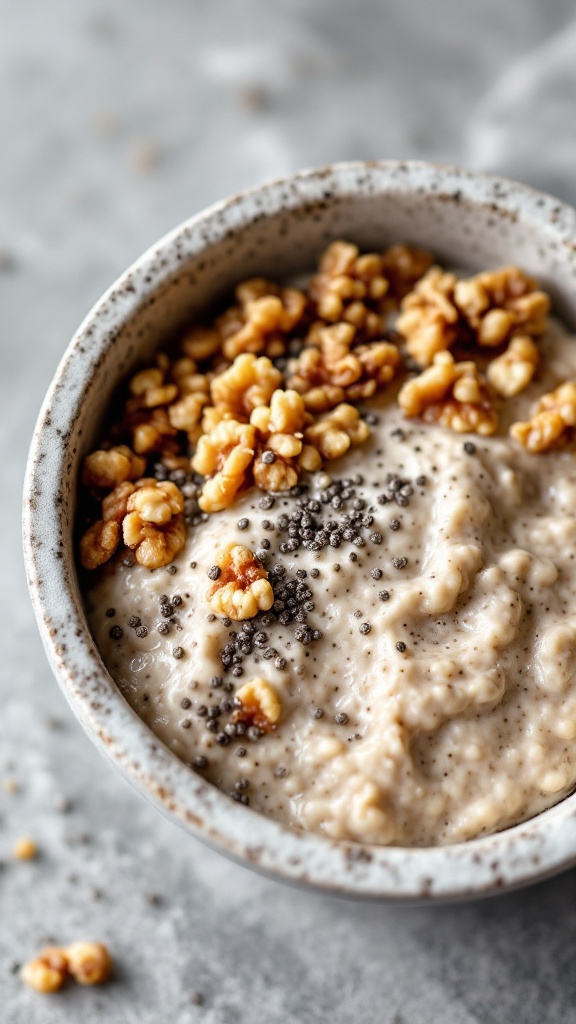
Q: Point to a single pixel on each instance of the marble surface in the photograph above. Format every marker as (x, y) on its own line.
(117, 121)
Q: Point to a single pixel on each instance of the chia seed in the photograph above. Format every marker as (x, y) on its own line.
(394, 524)
(400, 563)
(116, 632)
(141, 632)
(214, 573)
(315, 573)
(341, 718)
(376, 537)
(280, 663)
(421, 481)
(243, 524)
(384, 595)
(365, 628)
(185, 703)
(469, 447)
(134, 621)
(200, 762)
(178, 652)
(202, 711)
(110, 613)
(268, 457)
(241, 751)
(400, 646)
(267, 502)
(216, 682)
(376, 573)
(352, 557)
(318, 713)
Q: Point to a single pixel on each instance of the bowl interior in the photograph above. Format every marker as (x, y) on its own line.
(279, 230)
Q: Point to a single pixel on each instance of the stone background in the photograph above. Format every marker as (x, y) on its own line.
(118, 120)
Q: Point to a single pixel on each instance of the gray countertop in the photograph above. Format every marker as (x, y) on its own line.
(118, 120)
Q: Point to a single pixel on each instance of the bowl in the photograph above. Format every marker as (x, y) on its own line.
(467, 219)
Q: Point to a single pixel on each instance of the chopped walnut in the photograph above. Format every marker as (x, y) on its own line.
(498, 304)
(248, 383)
(453, 394)
(98, 543)
(265, 314)
(149, 388)
(553, 422)
(201, 343)
(47, 972)
(350, 287)
(281, 451)
(333, 370)
(242, 588)
(225, 456)
(404, 265)
(89, 963)
(260, 705)
(106, 469)
(511, 372)
(187, 413)
(429, 318)
(334, 433)
(154, 524)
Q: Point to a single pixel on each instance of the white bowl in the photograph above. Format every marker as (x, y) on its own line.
(467, 219)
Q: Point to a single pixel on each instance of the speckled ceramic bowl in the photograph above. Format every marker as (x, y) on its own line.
(466, 219)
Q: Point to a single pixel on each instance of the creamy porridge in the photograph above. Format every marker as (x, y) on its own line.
(378, 644)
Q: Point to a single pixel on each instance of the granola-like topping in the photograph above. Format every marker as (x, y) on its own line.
(553, 421)
(429, 318)
(154, 523)
(456, 395)
(248, 383)
(260, 705)
(335, 432)
(332, 371)
(511, 372)
(241, 588)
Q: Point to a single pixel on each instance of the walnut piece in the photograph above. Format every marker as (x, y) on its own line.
(47, 972)
(511, 372)
(334, 433)
(453, 394)
(242, 588)
(263, 316)
(154, 524)
(248, 383)
(499, 304)
(429, 318)
(488, 309)
(260, 704)
(225, 456)
(98, 543)
(106, 469)
(552, 423)
(404, 265)
(331, 370)
(89, 963)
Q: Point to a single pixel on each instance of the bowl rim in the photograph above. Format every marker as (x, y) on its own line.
(525, 853)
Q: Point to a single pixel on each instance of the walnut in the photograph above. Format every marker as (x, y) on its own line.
(201, 343)
(265, 314)
(248, 383)
(149, 388)
(242, 588)
(115, 504)
(333, 371)
(154, 524)
(89, 963)
(498, 304)
(350, 287)
(487, 309)
(187, 413)
(224, 455)
(152, 431)
(428, 318)
(453, 394)
(184, 372)
(106, 469)
(511, 372)
(278, 461)
(98, 543)
(404, 265)
(47, 972)
(334, 433)
(552, 423)
(260, 705)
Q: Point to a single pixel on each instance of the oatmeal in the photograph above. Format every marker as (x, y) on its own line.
(365, 623)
